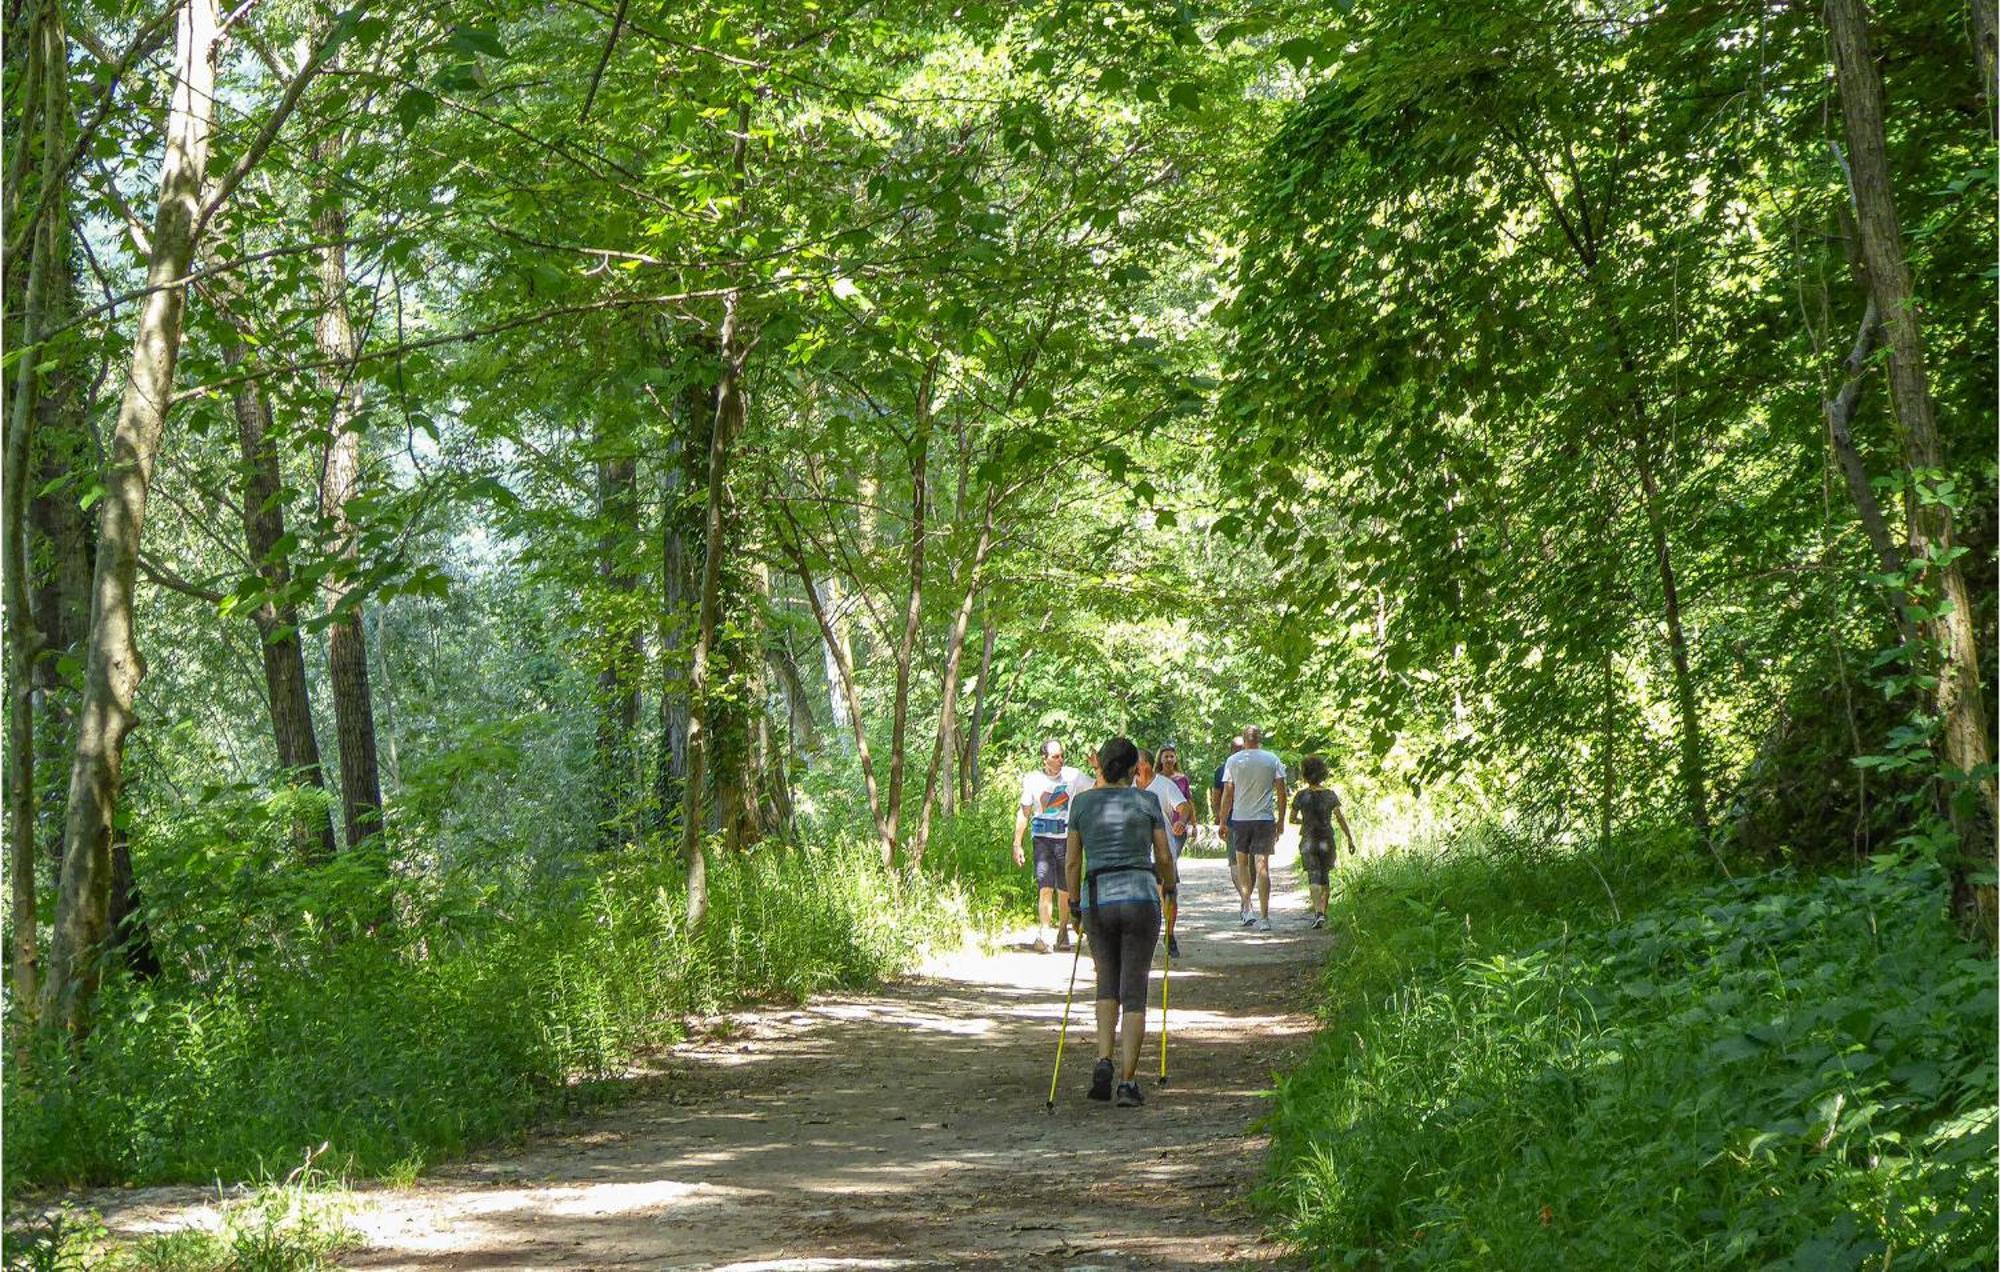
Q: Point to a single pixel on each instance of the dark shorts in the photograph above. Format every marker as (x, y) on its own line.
(1123, 935)
(1257, 838)
(1316, 858)
(1051, 859)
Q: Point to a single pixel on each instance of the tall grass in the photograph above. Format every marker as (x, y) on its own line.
(465, 1024)
(1773, 1071)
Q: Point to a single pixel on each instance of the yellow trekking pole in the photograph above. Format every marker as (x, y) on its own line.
(1166, 986)
(1063, 1036)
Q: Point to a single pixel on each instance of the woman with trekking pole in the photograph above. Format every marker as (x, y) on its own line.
(1119, 862)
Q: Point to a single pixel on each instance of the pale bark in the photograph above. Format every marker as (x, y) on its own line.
(844, 679)
(277, 620)
(977, 741)
(1957, 698)
(1839, 413)
(835, 653)
(114, 667)
(954, 654)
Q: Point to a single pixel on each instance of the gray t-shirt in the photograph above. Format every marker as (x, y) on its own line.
(1256, 773)
(1116, 825)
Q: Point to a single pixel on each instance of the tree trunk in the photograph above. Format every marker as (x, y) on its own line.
(1686, 700)
(677, 589)
(728, 416)
(277, 616)
(617, 680)
(978, 738)
(1839, 412)
(835, 653)
(1986, 57)
(954, 655)
(347, 639)
(1608, 772)
(1957, 698)
(114, 667)
(798, 700)
(920, 448)
(844, 675)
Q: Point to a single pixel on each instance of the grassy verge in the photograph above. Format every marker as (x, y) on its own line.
(290, 1227)
(1767, 1072)
(433, 1037)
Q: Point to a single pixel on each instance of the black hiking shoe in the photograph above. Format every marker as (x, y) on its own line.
(1129, 1096)
(1173, 947)
(1100, 1081)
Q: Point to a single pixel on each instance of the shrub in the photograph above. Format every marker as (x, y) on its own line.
(1770, 1070)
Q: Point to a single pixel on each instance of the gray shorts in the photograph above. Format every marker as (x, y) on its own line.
(1253, 838)
(1317, 861)
(1051, 859)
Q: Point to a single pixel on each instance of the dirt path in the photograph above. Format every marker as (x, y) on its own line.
(906, 1129)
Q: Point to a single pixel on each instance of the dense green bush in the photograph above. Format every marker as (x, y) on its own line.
(427, 1037)
(1766, 1071)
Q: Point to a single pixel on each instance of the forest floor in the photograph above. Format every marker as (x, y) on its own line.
(898, 1129)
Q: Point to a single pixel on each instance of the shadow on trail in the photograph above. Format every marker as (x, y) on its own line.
(907, 1129)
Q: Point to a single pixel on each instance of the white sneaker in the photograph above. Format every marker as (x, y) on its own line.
(1264, 925)
(1248, 918)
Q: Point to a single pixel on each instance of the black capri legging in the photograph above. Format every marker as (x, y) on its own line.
(1122, 937)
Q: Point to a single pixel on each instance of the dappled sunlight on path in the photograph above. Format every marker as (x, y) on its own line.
(906, 1128)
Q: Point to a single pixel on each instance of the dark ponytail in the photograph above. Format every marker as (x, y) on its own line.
(1117, 758)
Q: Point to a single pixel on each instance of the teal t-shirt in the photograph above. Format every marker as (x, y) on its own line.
(1116, 825)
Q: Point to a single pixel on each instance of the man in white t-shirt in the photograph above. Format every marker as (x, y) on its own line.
(1177, 813)
(1253, 807)
(1044, 806)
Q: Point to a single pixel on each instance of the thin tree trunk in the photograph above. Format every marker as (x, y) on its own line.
(954, 655)
(835, 653)
(798, 699)
(347, 639)
(844, 675)
(617, 682)
(1839, 412)
(1986, 57)
(978, 738)
(920, 448)
(1608, 774)
(1957, 697)
(1686, 700)
(24, 637)
(728, 415)
(114, 667)
(277, 616)
(687, 436)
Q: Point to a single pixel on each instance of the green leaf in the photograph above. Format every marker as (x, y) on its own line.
(414, 106)
(473, 41)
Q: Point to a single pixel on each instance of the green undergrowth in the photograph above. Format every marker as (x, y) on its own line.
(479, 1011)
(1772, 1071)
(296, 1226)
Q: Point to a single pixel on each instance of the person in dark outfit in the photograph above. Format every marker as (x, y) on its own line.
(1315, 810)
(1118, 864)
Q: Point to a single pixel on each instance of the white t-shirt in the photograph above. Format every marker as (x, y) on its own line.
(1047, 799)
(1256, 774)
(1170, 797)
